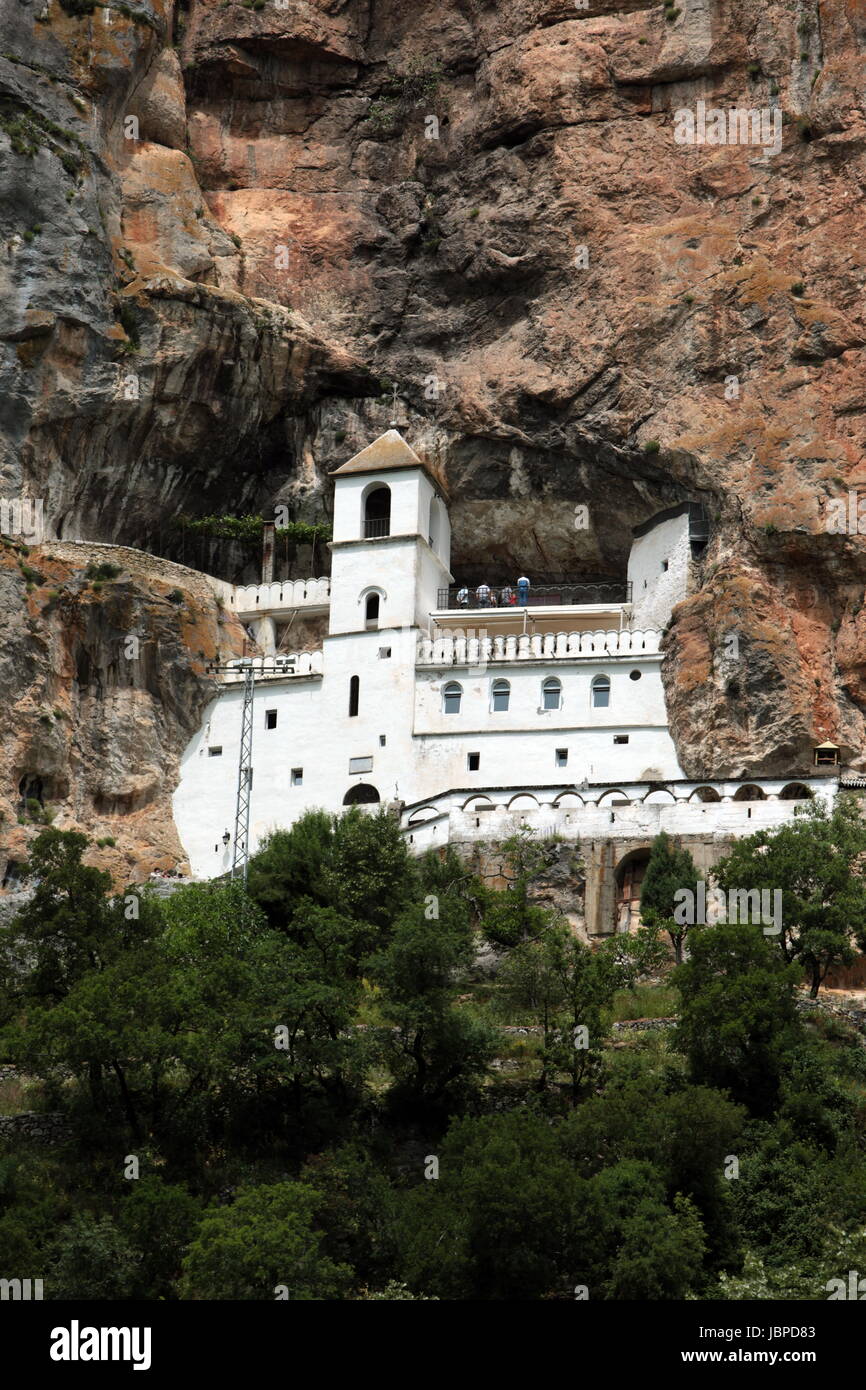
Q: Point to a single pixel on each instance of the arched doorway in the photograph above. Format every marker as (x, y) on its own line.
(362, 794)
(629, 877)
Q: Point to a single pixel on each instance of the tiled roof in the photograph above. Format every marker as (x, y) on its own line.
(389, 451)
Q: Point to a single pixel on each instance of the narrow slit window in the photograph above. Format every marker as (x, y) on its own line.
(354, 695)
(270, 718)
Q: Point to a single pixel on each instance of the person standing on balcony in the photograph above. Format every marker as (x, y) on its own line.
(506, 598)
(523, 591)
(482, 594)
(463, 598)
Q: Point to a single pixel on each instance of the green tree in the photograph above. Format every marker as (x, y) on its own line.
(816, 862)
(264, 1243)
(737, 1013)
(568, 988)
(158, 1220)
(290, 866)
(434, 1047)
(91, 1259)
(669, 869)
(370, 874)
(69, 926)
(509, 915)
(508, 1217)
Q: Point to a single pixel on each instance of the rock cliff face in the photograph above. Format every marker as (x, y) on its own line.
(229, 230)
(103, 682)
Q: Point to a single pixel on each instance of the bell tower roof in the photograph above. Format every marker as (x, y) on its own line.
(389, 452)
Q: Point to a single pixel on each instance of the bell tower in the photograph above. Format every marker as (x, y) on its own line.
(392, 539)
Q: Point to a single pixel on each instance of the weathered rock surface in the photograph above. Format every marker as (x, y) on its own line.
(204, 312)
(102, 682)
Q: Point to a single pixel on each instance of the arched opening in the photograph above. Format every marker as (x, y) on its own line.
(705, 794)
(371, 611)
(568, 801)
(451, 697)
(354, 695)
(795, 791)
(614, 797)
(500, 695)
(659, 795)
(629, 878)
(750, 793)
(601, 692)
(423, 814)
(377, 511)
(523, 801)
(551, 693)
(362, 794)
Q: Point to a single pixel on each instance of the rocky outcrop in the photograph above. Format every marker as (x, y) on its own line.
(103, 681)
(228, 230)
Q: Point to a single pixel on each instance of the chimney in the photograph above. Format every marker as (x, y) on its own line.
(268, 533)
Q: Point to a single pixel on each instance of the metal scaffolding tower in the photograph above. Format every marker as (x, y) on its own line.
(240, 848)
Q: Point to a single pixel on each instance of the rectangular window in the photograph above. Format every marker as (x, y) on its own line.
(297, 776)
(384, 653)
(664, 564)
(360, 764)
(561, 757)
(383, 739)
(215, 752)
(270, 718)
(620, 738)
(354, 695)
(473, 761)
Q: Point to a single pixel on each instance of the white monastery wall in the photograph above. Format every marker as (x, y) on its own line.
(656, 589)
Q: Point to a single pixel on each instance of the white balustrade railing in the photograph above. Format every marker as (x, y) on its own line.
(471, 651)
(282, 665)
(288, 593)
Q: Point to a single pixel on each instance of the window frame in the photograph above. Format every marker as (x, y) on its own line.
(600, 683)
(498, 688)
(551, 685)
(452, 690)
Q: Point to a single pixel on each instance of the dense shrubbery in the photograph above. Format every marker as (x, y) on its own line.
(312, 1083)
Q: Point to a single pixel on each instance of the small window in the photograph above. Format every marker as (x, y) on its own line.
(215, 752)
(383, 739)
(634, 675)
(371, 610)
(473, 761)
(500, 695)
(354, 693)
(384, 653)
(297, 776)
(551, 694)
(601, 692)
(562, 757)
(664, 565)
(451, 697)
(620, 738)
(270, 718)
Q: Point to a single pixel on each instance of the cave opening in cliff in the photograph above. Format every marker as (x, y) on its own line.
(31, 788)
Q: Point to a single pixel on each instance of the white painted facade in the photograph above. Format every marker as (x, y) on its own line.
(451, 715)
